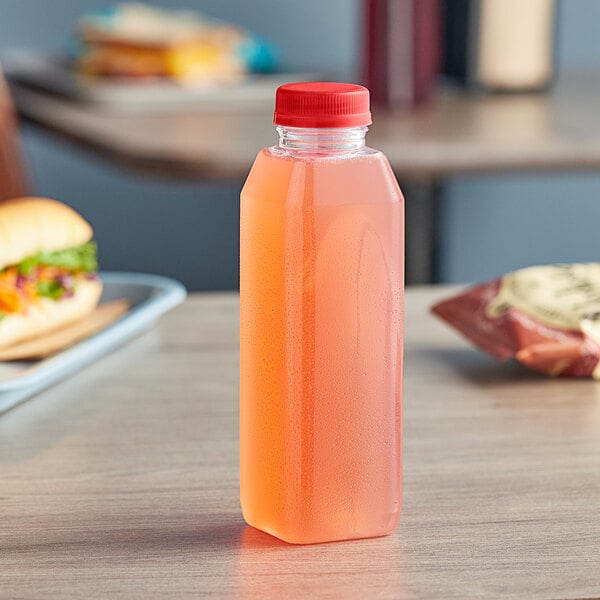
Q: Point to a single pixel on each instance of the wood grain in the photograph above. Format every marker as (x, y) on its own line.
(455, 133)
(122, 482)
(66, 336)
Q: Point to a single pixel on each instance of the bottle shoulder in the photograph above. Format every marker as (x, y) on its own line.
(364, 177)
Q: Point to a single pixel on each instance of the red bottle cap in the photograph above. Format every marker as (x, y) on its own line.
(322, 104)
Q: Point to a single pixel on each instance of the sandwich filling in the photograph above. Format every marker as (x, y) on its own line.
(51, 275)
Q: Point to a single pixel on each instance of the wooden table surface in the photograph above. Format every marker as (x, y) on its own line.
(456, 133)
(122, 482)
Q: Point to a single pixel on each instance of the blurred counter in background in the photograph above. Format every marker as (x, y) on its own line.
(455, 134)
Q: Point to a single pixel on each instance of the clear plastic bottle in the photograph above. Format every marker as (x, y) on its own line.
(321, 324)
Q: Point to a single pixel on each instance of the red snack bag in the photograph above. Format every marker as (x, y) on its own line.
(547, 318)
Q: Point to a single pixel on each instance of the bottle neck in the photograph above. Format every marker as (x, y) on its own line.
(321, 141)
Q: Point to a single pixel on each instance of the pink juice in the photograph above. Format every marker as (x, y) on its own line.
(321, 292)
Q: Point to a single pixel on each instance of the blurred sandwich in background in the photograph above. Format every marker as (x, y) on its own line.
(144, 42)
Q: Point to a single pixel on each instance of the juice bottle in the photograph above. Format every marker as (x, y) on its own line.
(321, 324)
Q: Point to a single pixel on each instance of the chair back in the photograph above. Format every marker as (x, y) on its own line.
(13, 179)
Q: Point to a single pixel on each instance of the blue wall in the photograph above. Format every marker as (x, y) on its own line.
(495, 225)
(511, 221)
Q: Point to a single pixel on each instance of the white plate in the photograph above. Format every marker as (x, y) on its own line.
(149, 297)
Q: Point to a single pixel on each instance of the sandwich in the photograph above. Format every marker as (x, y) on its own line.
(48, 268)
(187, 48)
(138, 41)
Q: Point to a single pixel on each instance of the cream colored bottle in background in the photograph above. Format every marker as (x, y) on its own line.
(515, 39)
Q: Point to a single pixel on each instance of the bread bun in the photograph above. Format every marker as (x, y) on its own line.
(32, 225)
(47, 314)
